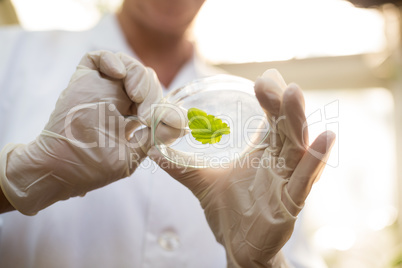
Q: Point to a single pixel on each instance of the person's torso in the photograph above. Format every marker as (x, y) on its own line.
(147, 220)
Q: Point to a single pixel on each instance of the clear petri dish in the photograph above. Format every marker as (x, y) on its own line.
(229, 98)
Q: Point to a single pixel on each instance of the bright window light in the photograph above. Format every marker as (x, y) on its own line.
(261, 30)
(73, 15)
(352, 205)
(241, 30)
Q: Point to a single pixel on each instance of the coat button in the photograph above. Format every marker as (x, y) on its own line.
(169, 241)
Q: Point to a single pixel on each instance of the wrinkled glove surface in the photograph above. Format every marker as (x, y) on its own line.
(251, 206)
(88, 141)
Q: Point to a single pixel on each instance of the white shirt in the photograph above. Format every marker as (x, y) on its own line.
(147, 220)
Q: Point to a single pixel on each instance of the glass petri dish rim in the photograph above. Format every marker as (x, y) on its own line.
(206, 84)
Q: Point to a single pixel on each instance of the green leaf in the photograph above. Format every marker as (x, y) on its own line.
(206, 128)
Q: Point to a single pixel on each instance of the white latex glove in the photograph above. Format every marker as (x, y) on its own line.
(252, 209)
(86, 144)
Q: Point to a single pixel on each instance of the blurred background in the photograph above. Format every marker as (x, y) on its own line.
(348, 62)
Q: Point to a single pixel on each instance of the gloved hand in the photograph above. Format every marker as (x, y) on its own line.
(87, 142)
(252, 209)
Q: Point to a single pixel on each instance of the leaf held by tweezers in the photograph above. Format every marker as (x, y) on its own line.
(206, 128)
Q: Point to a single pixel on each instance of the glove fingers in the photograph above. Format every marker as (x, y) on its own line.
(269, 94)
(172, 115)
(165, 134)
(183, 174)
(106, 62)
(144, 109)
(293, 126)
(142, 87)
(275, 75)
(137, 79)
(269, 90)
(131, 124)
(310, 167)
(137, 147)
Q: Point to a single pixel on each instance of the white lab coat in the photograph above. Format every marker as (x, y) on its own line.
(147, 220)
